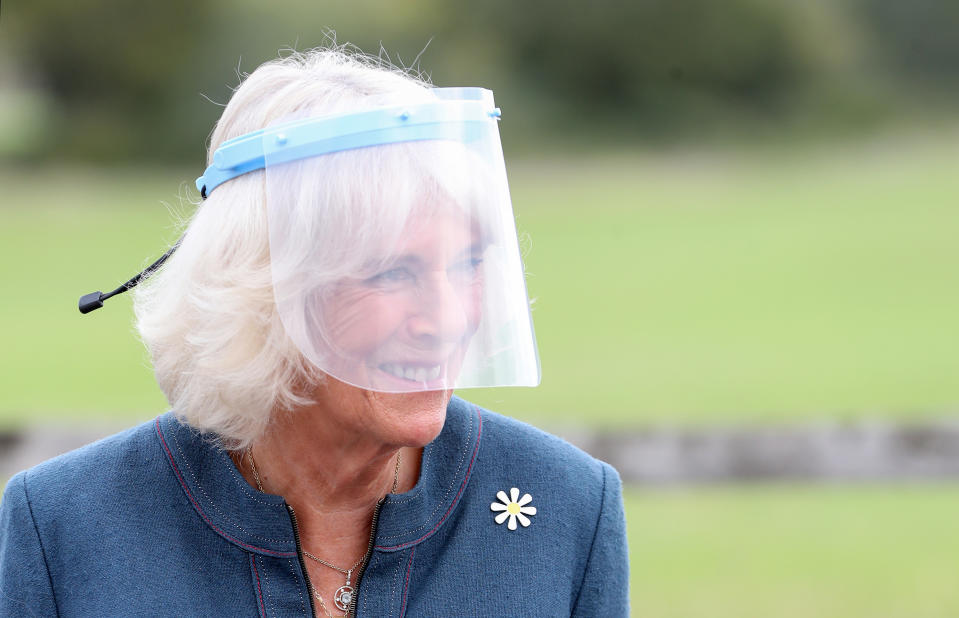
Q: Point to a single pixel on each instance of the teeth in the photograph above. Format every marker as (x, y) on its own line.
(414, 373)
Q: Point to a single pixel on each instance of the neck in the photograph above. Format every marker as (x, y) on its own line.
(322, 473)
(333, 487)
(331, 472)
(334, 460)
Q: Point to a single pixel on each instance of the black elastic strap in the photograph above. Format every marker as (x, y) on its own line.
(94, 300)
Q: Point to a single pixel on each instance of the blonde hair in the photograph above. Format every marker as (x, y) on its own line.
(208, 317)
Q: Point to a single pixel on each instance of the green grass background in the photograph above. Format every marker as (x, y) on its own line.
(794, 552)
(686, 288)
(762, 285)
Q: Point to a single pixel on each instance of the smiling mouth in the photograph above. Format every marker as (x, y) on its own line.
(417, 373)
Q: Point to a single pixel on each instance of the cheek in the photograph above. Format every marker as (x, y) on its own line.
(473, 304)
(361, 320)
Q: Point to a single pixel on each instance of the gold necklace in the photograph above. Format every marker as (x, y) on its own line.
(344, 595)
(323, 603)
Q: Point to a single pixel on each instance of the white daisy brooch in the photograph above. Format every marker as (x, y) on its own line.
(513, 507)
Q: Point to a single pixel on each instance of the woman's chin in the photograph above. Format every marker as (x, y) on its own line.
(423, 414)
(405, 417)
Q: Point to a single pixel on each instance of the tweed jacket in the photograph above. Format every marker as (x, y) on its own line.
(158, 521)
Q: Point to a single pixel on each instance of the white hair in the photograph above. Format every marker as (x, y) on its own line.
(209, 317)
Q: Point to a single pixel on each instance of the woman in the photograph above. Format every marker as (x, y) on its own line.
(354, 260)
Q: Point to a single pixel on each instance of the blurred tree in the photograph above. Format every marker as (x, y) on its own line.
(658, 65)
(116, 66)
(918, 40)
(130, 78)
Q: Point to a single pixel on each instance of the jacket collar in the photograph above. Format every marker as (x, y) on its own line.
(410, 518)
(261, 523)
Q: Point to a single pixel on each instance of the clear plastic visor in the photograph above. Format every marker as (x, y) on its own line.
(396, 265)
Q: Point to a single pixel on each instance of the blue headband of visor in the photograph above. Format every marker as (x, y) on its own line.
(458, 113)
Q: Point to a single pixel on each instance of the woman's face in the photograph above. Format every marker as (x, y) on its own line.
(407, 326)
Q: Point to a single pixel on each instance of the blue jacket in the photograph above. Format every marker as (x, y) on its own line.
(158, 521)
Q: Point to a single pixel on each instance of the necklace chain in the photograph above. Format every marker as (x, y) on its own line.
(345, 593)
(348, 572)
(322, 602)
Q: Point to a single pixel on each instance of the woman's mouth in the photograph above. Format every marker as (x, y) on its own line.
(416, 373)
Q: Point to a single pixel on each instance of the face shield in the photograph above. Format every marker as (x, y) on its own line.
(394, 256)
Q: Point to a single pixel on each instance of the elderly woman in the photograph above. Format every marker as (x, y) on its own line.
(354, 260)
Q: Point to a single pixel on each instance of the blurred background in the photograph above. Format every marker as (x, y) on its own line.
(739, 223)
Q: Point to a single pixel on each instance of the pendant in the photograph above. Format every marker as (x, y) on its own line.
(343, 597)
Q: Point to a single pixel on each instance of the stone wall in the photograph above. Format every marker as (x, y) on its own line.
(859, 451)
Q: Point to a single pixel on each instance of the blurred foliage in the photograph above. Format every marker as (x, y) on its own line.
(113, 66)
(660, 57)
(133, 79)
(917, 39)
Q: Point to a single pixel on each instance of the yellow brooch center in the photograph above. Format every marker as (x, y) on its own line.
(512, 508)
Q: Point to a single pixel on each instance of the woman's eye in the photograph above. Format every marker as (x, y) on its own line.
(467, 267)
(393, 275)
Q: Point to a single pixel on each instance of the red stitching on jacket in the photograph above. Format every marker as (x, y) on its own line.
(406, 585)
(259, 589)
(469, 469)
(199, 510)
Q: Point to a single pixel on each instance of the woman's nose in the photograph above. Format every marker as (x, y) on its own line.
(442, 311)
